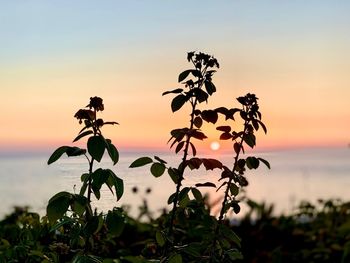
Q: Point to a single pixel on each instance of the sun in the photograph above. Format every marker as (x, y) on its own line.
(215, 146)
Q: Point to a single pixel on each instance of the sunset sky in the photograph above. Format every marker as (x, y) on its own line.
(55, 55)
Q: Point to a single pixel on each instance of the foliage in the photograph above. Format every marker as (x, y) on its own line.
(72, 232)
(207, 239)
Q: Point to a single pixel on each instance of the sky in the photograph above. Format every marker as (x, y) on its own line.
(55, 55)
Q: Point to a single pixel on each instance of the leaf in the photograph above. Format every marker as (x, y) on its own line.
(174, 174)
(252, 162)
(198, 122)
(96, 147)
(57, 154)
(197, 194)
(81, 135)
(115, 222)
(159, 159)
(79, 204)
(171, 198)
(119, 187)
(112, 151)
(200, 95)
(175, 258)
(194, 163)
(235, 206)
(198, 135)
(172, 91)
(140, 162)
(207, 184)
(211, 164)
(262, 126)
(225, 136)
(194, 151)
(210, 87)
(250, 139)
(178, 102)
(58, 206)
(75, 151)
(183, 75)
(160, 238)
(224, 128)
(179, 146)
(265, 162)
(157, 169)
(210, 116)
(234, 189)
(237, 147)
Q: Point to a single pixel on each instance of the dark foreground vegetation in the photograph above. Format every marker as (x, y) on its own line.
(72, 230)
(315, 233)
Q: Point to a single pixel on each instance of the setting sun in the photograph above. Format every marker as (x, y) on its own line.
(215, 146)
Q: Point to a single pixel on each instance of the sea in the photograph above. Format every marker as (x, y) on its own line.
(295, 175)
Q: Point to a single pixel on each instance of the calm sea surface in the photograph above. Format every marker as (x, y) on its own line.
(294, 176)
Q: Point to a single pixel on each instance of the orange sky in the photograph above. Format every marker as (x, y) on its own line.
(294, 56)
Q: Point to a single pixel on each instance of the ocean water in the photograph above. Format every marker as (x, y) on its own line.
(295, 175)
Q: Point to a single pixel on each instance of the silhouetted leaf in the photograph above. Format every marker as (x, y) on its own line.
(210, 87)
(198, 122)
(207, 184)
(79, 204)
(262, 126)
(172, 91)
(140, 162)
(112, 152)
(58, 206)
(225, 136)
(200, 95)
(224, 128)
(179, 146)
(171, 198)
(236, 207)
(249, 139)
(96, 147)
(178, 102)
(252, 162)
(159, 160)
(81, 135)
(237, 147)
(183, 75)
(194, 163)
(157, 169)
(118, 183)
(174, 174)
(209, 116)
(197, 194)
(211, 164)
(234, 189)
(57, 154)
(110, 123)
(194, 151)
(115, 223)
(265, 162)
(75, 151)
(198, 135)
(184, 193)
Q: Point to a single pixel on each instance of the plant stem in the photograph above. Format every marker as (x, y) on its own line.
(181, 171)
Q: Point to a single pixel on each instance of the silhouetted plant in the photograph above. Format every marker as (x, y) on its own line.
(234, 178)
(83, 222)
